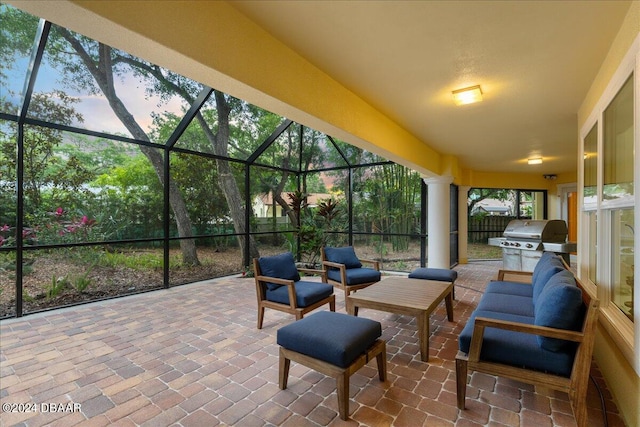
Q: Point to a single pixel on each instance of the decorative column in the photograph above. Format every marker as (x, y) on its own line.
(463, 223)
(438, 223)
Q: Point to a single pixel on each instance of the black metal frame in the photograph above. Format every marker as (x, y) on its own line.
(168, 147)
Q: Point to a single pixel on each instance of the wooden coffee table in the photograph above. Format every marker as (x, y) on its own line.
(413, 297)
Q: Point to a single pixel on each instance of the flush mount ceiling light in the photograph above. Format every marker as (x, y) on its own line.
(535, 161)
(468, 95)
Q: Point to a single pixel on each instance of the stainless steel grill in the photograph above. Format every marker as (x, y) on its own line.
(531, 235)
(524, 241)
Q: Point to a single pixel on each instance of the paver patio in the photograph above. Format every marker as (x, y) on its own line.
(192, 356)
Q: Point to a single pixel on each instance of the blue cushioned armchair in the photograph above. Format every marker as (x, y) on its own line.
(345, 270)
(279, 286)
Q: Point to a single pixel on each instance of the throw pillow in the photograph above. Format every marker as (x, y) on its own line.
(559, 306)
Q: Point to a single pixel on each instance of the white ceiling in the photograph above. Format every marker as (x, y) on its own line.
(535, 61)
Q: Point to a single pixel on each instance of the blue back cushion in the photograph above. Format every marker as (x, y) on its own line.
(346, 256)
(281, 266)
(559, 306)
(544, 270)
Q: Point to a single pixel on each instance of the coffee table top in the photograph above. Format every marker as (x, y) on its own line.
(401, 294)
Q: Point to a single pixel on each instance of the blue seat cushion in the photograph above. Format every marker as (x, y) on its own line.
(335, 338)
(345, 255)
(355, 276)
(307, 293)
(505, 303)
(551, 264)
(281, 266)
(559, 306)
(516, 348)
(440, 274)
(509, 288)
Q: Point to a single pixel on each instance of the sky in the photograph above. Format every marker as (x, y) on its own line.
(98, 115)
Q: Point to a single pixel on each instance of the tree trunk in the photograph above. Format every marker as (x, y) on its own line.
(228, 184)
(102, 72)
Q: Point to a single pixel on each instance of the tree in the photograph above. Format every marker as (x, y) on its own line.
(477, 195)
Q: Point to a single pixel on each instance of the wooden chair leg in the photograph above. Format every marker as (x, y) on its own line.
(342, 385)
(283, 370)
(260, 316)
(578, 400)
(461, 382)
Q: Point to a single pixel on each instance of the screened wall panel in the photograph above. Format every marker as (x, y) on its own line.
(136, 178)
(196, 179)
(17, 34)
(217, 257)
(109, 90)
(64, 276)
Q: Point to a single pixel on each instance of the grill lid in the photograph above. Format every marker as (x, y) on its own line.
(550, 231)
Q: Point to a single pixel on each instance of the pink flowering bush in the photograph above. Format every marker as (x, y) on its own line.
(57, 227)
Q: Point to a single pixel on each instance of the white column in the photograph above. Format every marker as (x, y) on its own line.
(438, 224)
(463, 224)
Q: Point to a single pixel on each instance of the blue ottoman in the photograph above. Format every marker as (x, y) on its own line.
(439, 274)
(334, 344)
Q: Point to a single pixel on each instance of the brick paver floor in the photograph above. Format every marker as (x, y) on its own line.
(192, 356)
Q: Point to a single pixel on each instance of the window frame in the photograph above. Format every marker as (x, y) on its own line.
(624, 332)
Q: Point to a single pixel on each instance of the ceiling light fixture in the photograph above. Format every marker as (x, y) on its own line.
(535, 161)
(468, 95)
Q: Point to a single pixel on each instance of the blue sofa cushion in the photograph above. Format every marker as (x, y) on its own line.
(509, 288)
(548, 265)
(505, 303)
(336, 338)
(355, 276)
(281, 266)
(516, 348)
(307, 293)
(345, 255)
(559, 306)
(440, 274)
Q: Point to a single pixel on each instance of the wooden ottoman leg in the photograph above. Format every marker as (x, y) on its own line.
(342, 386)
(284, 370)
(381, 358)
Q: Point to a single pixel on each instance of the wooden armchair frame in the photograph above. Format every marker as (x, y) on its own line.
(575, 386)
(342, 284)
(292, 307)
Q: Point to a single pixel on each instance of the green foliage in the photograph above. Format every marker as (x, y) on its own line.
(81, 282)
(386, 200)
(137, 260)
(55, 288)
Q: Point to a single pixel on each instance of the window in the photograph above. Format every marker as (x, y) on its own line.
(607, 234)
(622, 242)
(590, 189)
(618, 148)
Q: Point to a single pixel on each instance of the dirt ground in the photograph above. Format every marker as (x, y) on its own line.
(104, 282)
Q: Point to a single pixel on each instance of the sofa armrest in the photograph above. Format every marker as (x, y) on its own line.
(521, 274)
(484, 322)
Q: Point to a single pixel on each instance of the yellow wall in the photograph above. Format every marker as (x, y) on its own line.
(621, 378)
